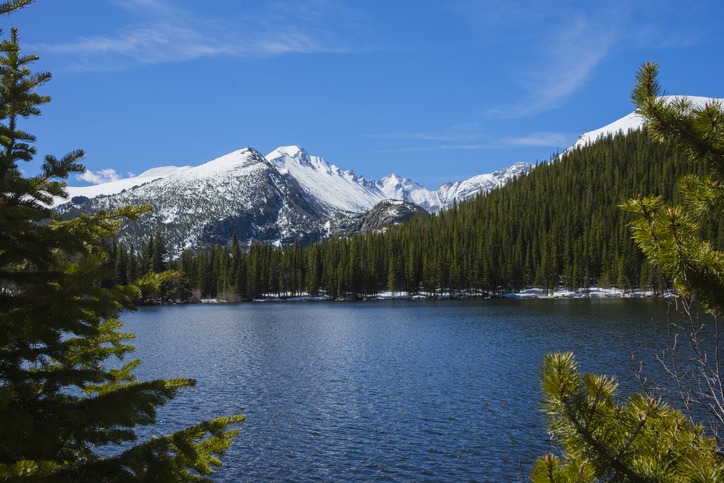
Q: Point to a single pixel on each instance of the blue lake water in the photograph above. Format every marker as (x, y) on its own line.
(383, 391)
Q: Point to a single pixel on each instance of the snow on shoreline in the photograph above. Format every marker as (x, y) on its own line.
(591, 293)
(532, 293)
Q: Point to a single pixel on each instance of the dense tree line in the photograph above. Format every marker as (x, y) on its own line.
(558, 226)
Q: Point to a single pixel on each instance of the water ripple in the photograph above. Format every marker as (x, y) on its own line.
(384, 391)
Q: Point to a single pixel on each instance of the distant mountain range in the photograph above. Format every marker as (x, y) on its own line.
(284, 196)
(334, 188)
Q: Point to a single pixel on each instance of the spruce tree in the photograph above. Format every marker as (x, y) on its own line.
(66, 414)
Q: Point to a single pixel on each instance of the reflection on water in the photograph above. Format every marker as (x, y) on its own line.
(420, 390)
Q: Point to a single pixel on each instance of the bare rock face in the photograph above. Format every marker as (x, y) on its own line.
(385, 214)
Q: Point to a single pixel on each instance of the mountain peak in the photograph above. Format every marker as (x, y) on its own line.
(239, 160)
(396, 187)
(391, 178)
(296, 153)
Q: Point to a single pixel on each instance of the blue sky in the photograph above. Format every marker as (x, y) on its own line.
(434, 91)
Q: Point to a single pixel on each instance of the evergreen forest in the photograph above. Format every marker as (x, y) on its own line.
(560, 226)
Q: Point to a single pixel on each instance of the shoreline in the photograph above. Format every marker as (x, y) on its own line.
(532, 293)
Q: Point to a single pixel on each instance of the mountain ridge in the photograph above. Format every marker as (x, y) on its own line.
(348, 191)
(285, 196)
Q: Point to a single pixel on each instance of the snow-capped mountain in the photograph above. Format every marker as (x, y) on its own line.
(240, 193)
(285, 196)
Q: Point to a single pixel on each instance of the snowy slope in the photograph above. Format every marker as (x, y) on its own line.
(630, 122)
(333, 188)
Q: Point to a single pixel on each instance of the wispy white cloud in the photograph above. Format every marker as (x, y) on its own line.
(558, 47)
(463, 133)
(99, 177)
(448, 142)
(539, 139)
(439, 147)
(165, 32)
(567, 59)
(144, 6)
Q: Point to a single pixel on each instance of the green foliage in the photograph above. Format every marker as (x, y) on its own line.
(11, 6)
(671, 234)
(640, 439)
(62, 407)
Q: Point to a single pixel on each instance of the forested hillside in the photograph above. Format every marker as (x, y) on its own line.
(558, 226)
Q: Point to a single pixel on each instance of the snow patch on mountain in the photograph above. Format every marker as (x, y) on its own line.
(236, 162)
(466, 189)
(396, 187)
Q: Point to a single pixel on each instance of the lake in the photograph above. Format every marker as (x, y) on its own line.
(387, 390)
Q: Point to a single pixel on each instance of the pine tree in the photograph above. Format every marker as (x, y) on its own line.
(158, 253)
(640, 439)
(62, 409)
(670, 235)
(133, 269)
(121, 265)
